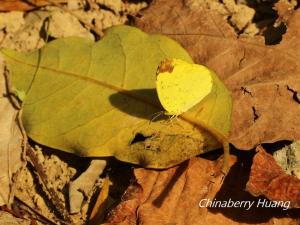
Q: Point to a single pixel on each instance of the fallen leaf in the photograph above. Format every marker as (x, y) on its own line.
(10, 143)
(20, 5)
(103, 105)
(172, 196)
(268, 178)
(264, 80)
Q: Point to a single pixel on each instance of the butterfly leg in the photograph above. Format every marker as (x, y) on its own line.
(156, 115)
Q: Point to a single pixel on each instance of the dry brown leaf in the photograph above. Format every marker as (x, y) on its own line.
(21, 5)
(268, 178)
(264, 80)
(10, 143)
(172, 197)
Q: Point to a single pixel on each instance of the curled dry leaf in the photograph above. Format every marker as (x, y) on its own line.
(264, 80)
(268, 178)
(10, 142)
(172, 196)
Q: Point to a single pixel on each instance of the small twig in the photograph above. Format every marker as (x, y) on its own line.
(10, 94)
(23, 132)
(60, 207)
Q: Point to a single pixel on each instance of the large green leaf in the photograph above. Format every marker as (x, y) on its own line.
(97, 99)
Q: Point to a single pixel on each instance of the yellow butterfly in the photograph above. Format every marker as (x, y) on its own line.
(181, 85)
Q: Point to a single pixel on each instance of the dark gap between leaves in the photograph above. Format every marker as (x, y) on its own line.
(139, 137)
(273, 147)
(264, 18)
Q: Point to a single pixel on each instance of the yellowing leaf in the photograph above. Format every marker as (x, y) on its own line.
(98, 99)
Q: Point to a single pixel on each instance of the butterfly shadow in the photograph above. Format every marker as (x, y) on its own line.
(141, 103)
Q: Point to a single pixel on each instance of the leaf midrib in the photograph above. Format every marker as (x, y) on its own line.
(89, 79)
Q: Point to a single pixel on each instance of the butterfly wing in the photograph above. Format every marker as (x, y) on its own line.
(183, 87)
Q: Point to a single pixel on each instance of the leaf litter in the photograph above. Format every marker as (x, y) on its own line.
(26, 33)
(240, 56)
(276, 216)
(173, 196)
(261, 78)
